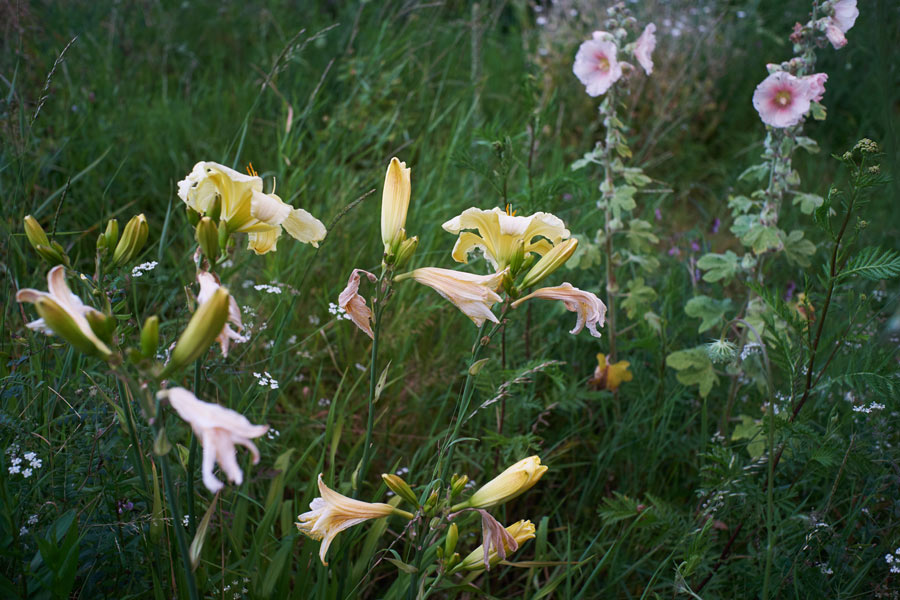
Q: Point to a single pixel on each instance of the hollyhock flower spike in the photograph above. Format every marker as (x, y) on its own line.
(782, 100)
(219, 430)
(838, 24)
(64, 314)
(474, 295)
(355, 305)
(332, 513)
(643, 48)
(590, 310)
(208, 286)
(596, 65)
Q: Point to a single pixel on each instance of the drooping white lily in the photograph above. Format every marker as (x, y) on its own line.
(208, 286)
(590, 310)
(474, 295)
(218, 429)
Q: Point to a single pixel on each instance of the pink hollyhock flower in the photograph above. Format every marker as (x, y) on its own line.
(644, 47)
(782, 99)
(596, 65)
(844, 17)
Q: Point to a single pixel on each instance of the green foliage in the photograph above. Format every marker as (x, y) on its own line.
(694, 368)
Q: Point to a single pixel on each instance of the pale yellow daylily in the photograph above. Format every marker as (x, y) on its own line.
(474, 295)
(394, 204)
(515, 480)
(549, 262)
(64, 314)
(355, 305)
(218, 429)
(590, 310)
(500, 235)
(520, 532)
(208, 286)
(242, 205)
(332, 513)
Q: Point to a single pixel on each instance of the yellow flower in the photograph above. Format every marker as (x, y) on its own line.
(208, 287)
(63, 313)
(239, 200)
(218, 429)
(355, 305)
(394, 205)
(332, 513)
(472, 294)
(521, 532)
(589, 309)
(610, 377)
(500, 234)
(515, 480)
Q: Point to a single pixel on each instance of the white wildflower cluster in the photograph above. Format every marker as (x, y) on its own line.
(186, 520)
(323, 402)
(267, 288)
(314, 320)
(24, 465)
(273, 433)
(266, 380)
(338, 312)
(825, 569)
(246, 283)
(142, 268)
(750, 349)
(235, 590)
(893, 560)
(862, 408)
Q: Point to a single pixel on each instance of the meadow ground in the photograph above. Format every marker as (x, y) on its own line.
(750, 449)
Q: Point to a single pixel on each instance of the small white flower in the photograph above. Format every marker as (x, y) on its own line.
(37, 463)
(32, 520)
(15, 469)
(26, 473)
(23, 530)
(16, 461)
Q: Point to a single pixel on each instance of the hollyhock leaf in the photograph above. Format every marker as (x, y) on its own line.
(623, 200)
(750, 429)
(808, 202)
(797, 249)
(718, 266)
(640, 236)
(709, 310)
(755, 173)
(638, 298)
(694, 368)
(818, 111)
(761, 238)
(808, 144)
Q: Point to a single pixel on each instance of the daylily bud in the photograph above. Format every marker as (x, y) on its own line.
(394, 203)
(551, 261)
(193, 216)
(111, 235)
(207, 235)
(102, 325)
(451, 539)
(52, 252)
(521, 531)
(518, 257)
(431, 502)
(515, 480)
(202, 330)
(400, 487)
(62, 324)
(458, 484)
(406, 250)
(223, 235)
(215, 209)
(133, 239)
(150, 337)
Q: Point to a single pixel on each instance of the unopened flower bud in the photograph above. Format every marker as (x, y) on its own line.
(52, 252)
(400, 487)
(193, 216)
(458, 484)
(102, 325)
(394, 204)
(133, 239)
(521, 532)
(62, 324)
(202, 330)
(150, 337)
(518, 257)
(406, 250)
(431, 502)
(551, 261)
(111, 235)
(207, 235)
(515, 480)
(451, 539)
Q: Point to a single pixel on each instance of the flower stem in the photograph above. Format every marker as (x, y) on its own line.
(377, 302)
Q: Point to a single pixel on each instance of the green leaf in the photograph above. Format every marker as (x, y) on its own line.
(797, 249)
(640, 236)
(694, 368)
(406, 568)
(200, 537)
(808, 144)
(756, 172)
(638, 298)
(622, 200)
(873, 263)
(808, 202)
(709, 310)
(762, 238)
(750, 429)
(634, 176)
(818, 111)
(718, 266)
(739, 204)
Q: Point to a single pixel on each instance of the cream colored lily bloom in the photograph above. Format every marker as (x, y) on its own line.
(208, 286)
(589, 309)
(520, 532)
(64, 314)
(332, 513)
(474, 295)
(355, 305)
(394, 204)
(245, 208)
(514, 481)
(219, 429)
(500, 233)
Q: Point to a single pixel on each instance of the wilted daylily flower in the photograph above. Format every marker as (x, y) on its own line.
(596, 65)
(394, 205)
(64, 314)
(218, 429)
(610, 377)
(355, 305)
(208, 287)
(643, 48)
(472, 294)
(501, 235)
(332, 513)
(217, 191)
(515, 480)
(589, 308)
(520, 532)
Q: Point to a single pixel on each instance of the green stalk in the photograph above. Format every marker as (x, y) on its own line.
(377, 302)
(179, 529)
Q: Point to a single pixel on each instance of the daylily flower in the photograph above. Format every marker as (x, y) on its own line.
(208, 286)
(520, 532)
(589, 308)
(596, 65)
(394, 204)
(782, 100)
(239, 200)
(218, 429)
(643, 48)
(64, 314)
(501, 234)
(472, 294)
(610, 377)
(551, 261)
(836, 25)
(515, 480)
(355, 305)
(332, 513)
